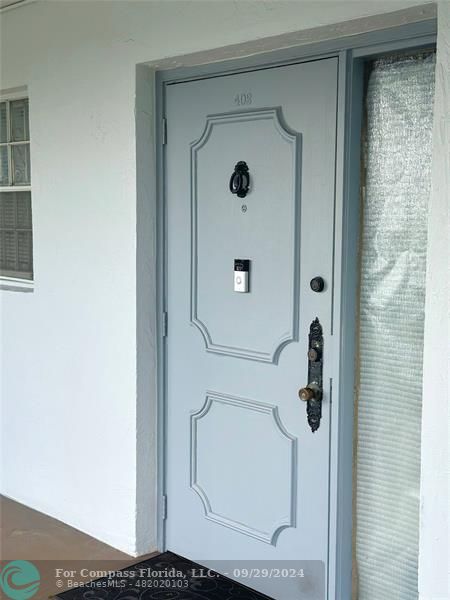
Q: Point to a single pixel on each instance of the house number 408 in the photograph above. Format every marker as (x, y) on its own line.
(243, 99)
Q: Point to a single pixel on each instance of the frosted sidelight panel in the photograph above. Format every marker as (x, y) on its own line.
(397, 147)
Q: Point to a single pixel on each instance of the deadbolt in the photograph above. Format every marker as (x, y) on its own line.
(317, 284)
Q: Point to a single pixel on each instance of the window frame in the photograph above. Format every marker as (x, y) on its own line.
(13, 280)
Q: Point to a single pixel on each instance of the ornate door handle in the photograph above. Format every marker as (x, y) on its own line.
(312, 393)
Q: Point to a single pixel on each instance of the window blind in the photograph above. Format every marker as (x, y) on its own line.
(16, 237)
(16, 243)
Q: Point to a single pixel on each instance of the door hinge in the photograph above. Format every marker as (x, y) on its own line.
(164, 131)
(164, 324)
(164, 507)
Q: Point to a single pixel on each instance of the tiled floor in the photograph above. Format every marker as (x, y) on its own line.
(30, 535)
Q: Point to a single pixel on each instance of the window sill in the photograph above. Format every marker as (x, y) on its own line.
(15, 188)
(12, 284)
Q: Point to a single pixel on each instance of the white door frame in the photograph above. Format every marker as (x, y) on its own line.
(352, 53)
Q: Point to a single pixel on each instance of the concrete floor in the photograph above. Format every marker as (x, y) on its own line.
(30, 535)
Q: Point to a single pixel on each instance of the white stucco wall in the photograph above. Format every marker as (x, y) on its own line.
(77, 402)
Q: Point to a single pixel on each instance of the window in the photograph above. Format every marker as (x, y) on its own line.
(397, 180)
(16, 236)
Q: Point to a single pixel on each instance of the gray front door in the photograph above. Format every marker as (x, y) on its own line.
(247, 478)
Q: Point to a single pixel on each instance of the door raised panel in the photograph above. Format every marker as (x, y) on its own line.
(243, 466)
(262, 227)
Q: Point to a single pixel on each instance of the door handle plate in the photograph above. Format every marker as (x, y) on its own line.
(312, 393)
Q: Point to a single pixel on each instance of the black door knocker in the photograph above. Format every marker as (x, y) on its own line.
(240, 180)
